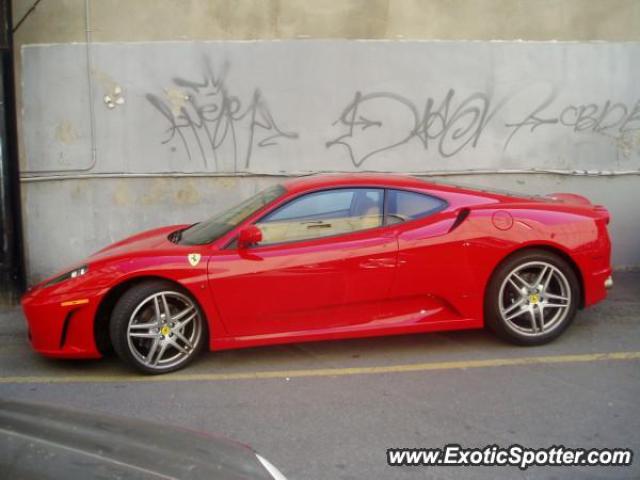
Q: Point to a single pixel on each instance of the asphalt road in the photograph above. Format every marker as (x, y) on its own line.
(330, 410)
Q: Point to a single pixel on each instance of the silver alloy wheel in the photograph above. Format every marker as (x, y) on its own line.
(164, 330)
(535, 298)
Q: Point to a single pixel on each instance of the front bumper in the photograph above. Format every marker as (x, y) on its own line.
(62, 325)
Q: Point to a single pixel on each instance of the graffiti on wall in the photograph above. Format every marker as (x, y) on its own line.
(299, 107)
(456, 122)
(209, 121)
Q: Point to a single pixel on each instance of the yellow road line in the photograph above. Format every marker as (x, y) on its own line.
(330, 372)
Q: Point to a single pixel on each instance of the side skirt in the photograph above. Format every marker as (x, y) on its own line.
(226, 343)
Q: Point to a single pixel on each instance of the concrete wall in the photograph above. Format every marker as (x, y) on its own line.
(289, 107)
(143, 20)
(112, 140)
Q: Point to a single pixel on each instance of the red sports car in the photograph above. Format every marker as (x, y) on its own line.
(328, 257)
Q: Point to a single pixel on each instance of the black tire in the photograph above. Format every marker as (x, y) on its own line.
(141, 300)
(504, 299)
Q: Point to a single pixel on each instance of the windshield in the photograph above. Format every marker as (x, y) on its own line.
(207, 232)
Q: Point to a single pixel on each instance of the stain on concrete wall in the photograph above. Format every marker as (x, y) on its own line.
(69, 219)
(145, 20)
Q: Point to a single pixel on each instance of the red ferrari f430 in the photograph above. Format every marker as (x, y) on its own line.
(330, 257)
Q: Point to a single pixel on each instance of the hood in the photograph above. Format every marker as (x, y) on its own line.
(54, 443)
(147, 240)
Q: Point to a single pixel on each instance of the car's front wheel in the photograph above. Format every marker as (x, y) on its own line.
(156, 327)
(532, 297)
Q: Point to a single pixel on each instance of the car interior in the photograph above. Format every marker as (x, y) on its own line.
(341, 211)
(324, 214)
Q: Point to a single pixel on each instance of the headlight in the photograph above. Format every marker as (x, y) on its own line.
(78, 272)
(275, 473)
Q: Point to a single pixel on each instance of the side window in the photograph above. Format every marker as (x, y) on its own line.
(323, 214)
(403, 206)
(315, 205)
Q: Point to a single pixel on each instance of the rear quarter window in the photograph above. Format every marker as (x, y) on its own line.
(403, 205)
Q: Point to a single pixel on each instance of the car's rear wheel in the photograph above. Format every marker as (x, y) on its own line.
(532, 297)
(156, 327)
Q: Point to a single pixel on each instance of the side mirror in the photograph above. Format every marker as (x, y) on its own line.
(249, 236)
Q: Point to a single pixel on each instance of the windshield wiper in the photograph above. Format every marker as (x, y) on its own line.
(175, 236)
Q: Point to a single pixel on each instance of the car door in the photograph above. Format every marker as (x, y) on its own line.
(325, 263)
(433, 268)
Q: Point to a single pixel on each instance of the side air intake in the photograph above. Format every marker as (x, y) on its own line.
(463, 213)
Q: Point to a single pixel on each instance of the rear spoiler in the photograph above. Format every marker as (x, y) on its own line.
(575, 199)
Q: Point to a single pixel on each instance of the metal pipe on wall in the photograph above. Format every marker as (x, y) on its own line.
(576, 173)
(12, 276)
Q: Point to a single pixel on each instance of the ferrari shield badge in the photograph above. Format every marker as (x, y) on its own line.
(194, 259)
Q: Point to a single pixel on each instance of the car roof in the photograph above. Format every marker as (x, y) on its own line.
(331, 180)
(313, 182)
